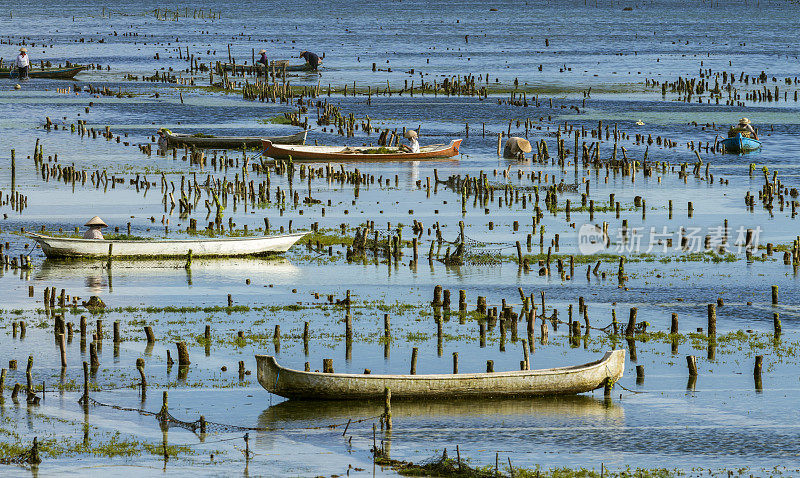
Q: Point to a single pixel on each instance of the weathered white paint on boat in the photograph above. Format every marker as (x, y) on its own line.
(523, 383)
(222, 247)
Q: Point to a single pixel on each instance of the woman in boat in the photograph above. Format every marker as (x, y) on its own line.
(94, 225)
(312, 59)
(413, 146)
(744, 128)
(23, 63)
(263, 60)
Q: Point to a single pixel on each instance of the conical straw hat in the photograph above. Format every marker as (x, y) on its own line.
(96, 221)
(522, 144)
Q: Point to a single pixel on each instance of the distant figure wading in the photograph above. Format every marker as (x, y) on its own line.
(312, 59)
(23, 63)
(516, 148)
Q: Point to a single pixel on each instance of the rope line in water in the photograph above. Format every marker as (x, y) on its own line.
(168, 420)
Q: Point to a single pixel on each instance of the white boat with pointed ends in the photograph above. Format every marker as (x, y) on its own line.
(296, 384)
(61, 247)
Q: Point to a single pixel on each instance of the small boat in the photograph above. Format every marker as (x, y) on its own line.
(60, 247)
(57, 73)
(296, 384)
(226, 142)
(278, 65)
(364, 154)
(740, 144)
(284, 65)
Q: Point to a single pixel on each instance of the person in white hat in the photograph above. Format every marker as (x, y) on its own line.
(23, 63)
(744, 128)
(413, 143)
(94, 225)
(263, 58)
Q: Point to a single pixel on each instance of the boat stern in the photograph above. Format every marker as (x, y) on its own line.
(267, 372)
(266, 145)
(616, 364)
(42, 241)
(456, 146)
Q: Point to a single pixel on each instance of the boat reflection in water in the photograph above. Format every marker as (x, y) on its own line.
(305, 413)
(165, 272)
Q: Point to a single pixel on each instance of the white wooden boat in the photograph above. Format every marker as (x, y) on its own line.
(215, 247)
(523, 383)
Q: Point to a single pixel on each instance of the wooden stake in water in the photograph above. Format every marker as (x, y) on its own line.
(387, 407)
(140, 368)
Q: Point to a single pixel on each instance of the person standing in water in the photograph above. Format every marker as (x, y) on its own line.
(23, 63)
(312, 59)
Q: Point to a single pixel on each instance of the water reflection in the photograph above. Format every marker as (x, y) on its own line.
(298, 413)
(97, 276)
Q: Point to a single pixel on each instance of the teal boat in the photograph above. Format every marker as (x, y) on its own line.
(740, 144)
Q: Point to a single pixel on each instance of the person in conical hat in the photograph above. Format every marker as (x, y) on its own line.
(263, 57)
(412, 137)
(23, 63)
(94, 225)
(516, 147)
(745, 128)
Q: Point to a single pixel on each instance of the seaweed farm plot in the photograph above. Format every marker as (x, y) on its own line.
(591, 283)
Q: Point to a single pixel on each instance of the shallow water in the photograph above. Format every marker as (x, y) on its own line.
(721, 421)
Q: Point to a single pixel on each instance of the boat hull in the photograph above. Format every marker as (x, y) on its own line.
(295, 384)
(278, 66)
(229, 142)
(57, 247)
(740, 144)
(338, 154)
(56, 73)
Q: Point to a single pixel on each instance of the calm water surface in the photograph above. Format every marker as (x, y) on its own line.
(555, 51)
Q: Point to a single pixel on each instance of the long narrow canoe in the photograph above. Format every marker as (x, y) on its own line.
(362, 154)
(60, 247)
(227, 142)
(740, 144)
(58, 73)
(278, 65)
(295, 384)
